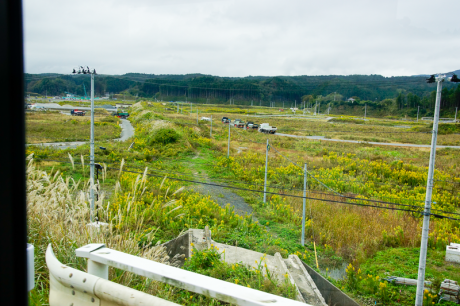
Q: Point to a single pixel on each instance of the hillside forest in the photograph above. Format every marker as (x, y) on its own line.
(385, 96)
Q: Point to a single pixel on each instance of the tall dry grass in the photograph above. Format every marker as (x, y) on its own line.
(356, 233)
(58, 214)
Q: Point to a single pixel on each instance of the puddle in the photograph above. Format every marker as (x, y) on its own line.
(336, 273)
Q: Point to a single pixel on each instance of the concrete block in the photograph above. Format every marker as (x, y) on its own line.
(453, 253)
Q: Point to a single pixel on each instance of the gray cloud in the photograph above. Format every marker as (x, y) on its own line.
(240, 38)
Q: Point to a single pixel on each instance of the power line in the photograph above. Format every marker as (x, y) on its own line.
(233, 187)
(289, 195)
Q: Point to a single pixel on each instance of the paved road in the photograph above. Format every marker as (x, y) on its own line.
(127, 131)
(369, 142)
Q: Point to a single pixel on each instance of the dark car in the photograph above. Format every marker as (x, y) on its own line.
(225, 120)
(251, 125)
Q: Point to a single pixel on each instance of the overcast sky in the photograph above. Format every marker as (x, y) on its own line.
(243, 37)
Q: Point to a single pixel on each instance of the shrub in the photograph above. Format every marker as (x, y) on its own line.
(164, 136)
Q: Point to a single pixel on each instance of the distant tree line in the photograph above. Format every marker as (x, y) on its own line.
(405, 92)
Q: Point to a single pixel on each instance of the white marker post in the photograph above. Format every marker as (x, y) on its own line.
(266, 169)
(302, 241)
(228, 145)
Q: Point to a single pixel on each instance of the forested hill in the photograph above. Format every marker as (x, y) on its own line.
(407, 91)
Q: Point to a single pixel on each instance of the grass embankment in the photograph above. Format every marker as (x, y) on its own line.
(341, 232)
(56, 127)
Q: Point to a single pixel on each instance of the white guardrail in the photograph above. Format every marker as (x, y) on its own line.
(69, 285)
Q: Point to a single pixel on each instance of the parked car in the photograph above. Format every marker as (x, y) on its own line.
(238, 123)
(225, 120)
(38, 108)
(76, 112)
(121, 115)
(205, 119)
(266, 128)
(251, 125)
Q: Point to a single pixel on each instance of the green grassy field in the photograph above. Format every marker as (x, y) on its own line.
(56, 127)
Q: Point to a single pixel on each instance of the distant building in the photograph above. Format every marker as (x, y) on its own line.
(351, 100)
(122, 105)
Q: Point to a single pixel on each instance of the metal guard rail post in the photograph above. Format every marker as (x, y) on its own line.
(201, 284)
(69, 286)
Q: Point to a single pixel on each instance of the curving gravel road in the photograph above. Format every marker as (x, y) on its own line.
(127, 131)
(369, 142)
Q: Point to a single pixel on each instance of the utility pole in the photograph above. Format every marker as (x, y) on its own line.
(365, 110)
(210, 131)
(302, 241)
(197, 116)
(455, 120)
(266, 169)
(418, 110)
(429, 190)
(228, 146)
(91, 156)
(251, 102)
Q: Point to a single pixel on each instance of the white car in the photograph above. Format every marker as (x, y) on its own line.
(205, 119)
(37, 108)
(267, 129)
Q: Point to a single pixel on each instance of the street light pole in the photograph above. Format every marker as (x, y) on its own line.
(91, 157)
(82, 70)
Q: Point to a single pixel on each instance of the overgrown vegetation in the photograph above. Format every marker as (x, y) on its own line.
(147, 210)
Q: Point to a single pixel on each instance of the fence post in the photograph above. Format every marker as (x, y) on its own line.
(266, 168)
(302, 241)
(210, 132)
(228, 145)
